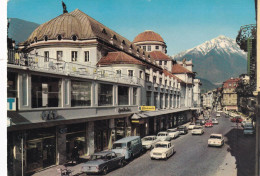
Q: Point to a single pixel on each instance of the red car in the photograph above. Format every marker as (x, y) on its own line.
(236, 119)
(208, 124)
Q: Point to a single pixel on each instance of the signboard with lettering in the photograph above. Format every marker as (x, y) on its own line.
(147, 108)
(11, 104)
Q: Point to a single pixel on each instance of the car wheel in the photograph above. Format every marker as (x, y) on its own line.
(105, 170)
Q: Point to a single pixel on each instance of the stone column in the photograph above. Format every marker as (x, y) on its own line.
(90, 138)
(61, 145)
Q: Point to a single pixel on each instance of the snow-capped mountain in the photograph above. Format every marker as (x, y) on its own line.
(216, 60)
(221, 44)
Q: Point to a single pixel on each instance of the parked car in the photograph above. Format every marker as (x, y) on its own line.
(162, 150)
(214, 121)
(102, 162)
(202, 121)
(162, 135)
(197, 130)
(236, 119)
(182, 129)
(191, 126)
(216, 140)
(197, 122)
(148, 142)
(208, 124)
(129, 147)
(173, 133)
(249, 130)
(206, 118)
(218, 114)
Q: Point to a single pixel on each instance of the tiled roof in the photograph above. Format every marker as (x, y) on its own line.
(230, 83)
(167, 73)
(158, 55)
(118, 58)
(148, 36)
(177, 68)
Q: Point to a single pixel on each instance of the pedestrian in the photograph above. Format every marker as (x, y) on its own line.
(75, 154)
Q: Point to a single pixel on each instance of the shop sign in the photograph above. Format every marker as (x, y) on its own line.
(147, 108)
(11, 104)
(135, 121)
(124, 109)
(49, 115)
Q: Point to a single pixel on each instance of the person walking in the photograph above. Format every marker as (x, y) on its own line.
(75, 154)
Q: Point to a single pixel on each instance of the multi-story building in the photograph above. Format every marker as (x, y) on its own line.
(229, 101)
(74, 81)
(196, 93)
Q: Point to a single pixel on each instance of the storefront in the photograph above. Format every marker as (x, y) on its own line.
(40, 149)
(76, 137)
(139, 127)
(101, 135)
(120, 128)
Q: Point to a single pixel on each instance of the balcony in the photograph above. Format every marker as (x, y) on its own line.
(50, 65)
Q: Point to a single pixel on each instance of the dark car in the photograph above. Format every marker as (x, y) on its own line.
(102, 162)
(182, 129)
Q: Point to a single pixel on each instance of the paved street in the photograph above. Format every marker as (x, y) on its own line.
(194, 157)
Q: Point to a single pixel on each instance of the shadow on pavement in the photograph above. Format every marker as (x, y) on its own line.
(242, 147)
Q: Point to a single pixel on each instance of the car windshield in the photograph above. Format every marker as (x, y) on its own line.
(172, 130)
(248, 128)
(96, 157)
(215, 137)
(119, 146)
(161, 134)
(197, 127)
(192, 124)
(181, 128)
(148, 139)
(161, 146)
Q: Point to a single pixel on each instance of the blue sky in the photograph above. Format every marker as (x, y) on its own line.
(183, 24)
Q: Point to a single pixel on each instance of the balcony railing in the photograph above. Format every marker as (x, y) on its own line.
(41, 63)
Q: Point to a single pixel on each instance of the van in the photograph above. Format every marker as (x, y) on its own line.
(129, 147)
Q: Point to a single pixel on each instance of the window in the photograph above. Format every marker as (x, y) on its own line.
(147, 77)
(165, 62)
(74, 37)
(25, 89)
(59, 55)
(144, 48)
(11, 84)
(149, 48)
(46, 56)
(165, 82)
(154, 79)
(46, 92)
(141, 74)
(160, 80)
(148, 99)
(130, 73)
(123, 95)
(170, 83)
(66, 86)
(160, 62)
(157, 47)
(74, 55)
(118, 72)
(80, 93)
(86, 56)
(105, 95)
(134, 96)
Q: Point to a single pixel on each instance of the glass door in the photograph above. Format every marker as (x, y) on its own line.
(34, 155)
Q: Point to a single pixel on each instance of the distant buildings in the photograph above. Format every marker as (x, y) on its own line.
(229, 101)
(75, 82)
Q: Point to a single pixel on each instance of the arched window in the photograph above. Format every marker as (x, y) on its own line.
(45, 38)
(59, 37)
(35, 39)
(74, 37)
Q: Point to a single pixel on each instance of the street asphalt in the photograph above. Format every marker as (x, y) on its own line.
(193, 157)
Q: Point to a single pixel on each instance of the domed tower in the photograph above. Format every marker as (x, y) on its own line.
(150, 41)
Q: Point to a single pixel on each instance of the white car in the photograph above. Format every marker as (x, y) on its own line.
(148, 142)
(191, 126)
(214, 121)
(162, 150)
(216, 140)
(162, 135)
(173, 133)
(197, 130)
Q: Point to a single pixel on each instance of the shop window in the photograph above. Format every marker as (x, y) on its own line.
(105, 95)
(59, 55)
(74, 56)
(25, 89)
(46, 56)
(46, 92)
(134, 96)
(86, 56)
(123, 95)
(11, 84)
(80, 93)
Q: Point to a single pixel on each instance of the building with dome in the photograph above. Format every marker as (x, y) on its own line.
(75, 82)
